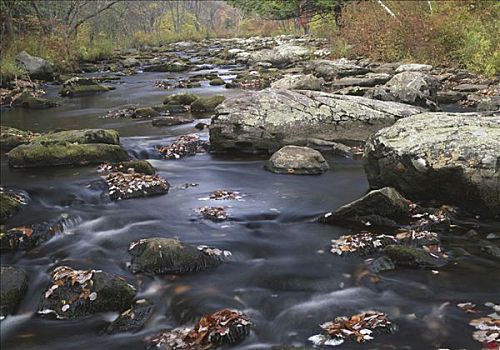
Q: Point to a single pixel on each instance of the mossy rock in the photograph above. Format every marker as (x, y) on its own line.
(27, 100)
(40, 154)
(84, 136)
(412, 257)
(193, 84)
(13, 287)
(84, 292)
(160, 255)
(133, 319)
(170, 109)
(206, 104)
(82, 86)
(145, 112)
(167, 67)
(9, 205)
(217, 81)
(180, 99)
(12, 137)
(139, 166)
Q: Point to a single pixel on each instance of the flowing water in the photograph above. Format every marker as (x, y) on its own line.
(281, 273)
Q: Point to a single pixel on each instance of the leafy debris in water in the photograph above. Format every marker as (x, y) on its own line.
(186, 145)
(163, 84)
(132, 185)
(222, 327)
(358, 327)
(417, 238)
(468, 307)
(363, 243)
(487, 327)
(121, 113)
(214, 213)
(28, 237)
(225, 195)
(215, 252)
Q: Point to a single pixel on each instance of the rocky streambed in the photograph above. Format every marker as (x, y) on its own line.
(249, 194)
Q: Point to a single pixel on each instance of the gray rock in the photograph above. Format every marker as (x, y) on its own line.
(413, 67)
(379, 207)
(489, 103)
(280, 56)
(470, 87)
(77, 293)
(36, 67)
(167, 67)
(130, 62)
(298, 161)
(160, 255)
(330, 70)
(413, 88)
(405, 256)
(171, 120)
(13, 287)
(206, 104)
(299, 82)
(369, 80)
(133, 319)
(267, 120)
(449, 157)
(447, 97)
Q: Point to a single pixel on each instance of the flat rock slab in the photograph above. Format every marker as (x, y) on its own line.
(297, 161)
(450, 157)
(267, 120)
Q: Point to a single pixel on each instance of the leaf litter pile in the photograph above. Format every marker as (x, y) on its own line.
(359, 327)
(487, 327)
(121, 113)
(28, 237)
(225, 195)
(364, 243)
(186, 145)
(79, 283)
(213, 213)
(211, 331)
(132, 184)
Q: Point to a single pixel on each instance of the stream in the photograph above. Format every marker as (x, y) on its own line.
(281, 272)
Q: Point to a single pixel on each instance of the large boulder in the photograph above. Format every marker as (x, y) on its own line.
(36, 67)
(299, 82)
(281, 56)
(266, 120)
(78, 293)
(13, 287)
(414, 88)
(449, 157)
(298, 161)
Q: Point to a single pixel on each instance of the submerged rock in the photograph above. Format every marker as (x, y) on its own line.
(299, 82)
(453, 158)
(133, 319)
(206, 104)
(298, 161)
(224, 327)
(36, 67)
(13, 287)
(82, 86)
(12, 137)
(379, 207)
(29, 237)
(160, 255)
(414, 88)
(267, 120)
(78, 293)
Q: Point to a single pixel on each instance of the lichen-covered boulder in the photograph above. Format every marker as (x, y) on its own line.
(82, 86)
(299, 82)
(36, 67)
(267, 120)
(13, 287)
(77, 293)
(298, 161)
(160, 255)
(12, 137)
(380, 207)
(453, 158)
(414, 88)
(206, 104)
